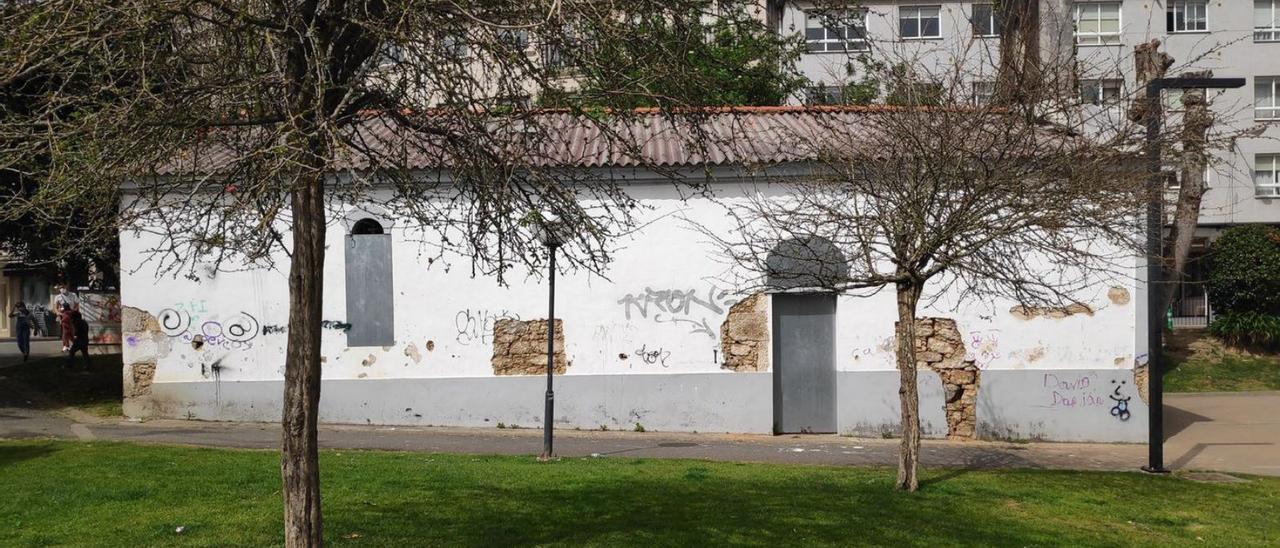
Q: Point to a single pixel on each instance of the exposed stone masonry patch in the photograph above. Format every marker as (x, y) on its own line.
(144, 343)
(940, 348)
(520, 347)
(744, 335)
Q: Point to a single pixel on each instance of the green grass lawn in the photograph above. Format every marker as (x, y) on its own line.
(111, 494)
(96, 389)
(1223, 373)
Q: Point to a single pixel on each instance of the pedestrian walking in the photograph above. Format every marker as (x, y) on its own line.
(66, 299)
(79, 339)
(22, 323)
(65, 326)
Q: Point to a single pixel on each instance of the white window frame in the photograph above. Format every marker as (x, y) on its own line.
(991, 20)
(1271, 109)
(1178, 9)
(844, 44)
(1098, 38)
(902, 16)
(1271, 189)
(1173, 178)
(1100, 87)
(983, 92)
(1271, 32)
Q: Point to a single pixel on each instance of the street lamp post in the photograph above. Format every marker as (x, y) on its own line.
(549, 236)
(1155, 259)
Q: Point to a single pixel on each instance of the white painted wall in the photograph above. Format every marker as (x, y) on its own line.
(445, 317)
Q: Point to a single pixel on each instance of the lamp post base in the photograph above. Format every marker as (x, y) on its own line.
(1148, 469)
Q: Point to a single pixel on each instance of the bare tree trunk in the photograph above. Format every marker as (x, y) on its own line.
(299, 459)
(1018, 73)
(1149, 63)
(1196, 121)
(905, 330)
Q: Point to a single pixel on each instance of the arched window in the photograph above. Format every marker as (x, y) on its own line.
(366, 226)
(808, 262)
(370, 306)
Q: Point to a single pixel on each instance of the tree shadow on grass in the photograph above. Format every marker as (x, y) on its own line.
(13, 454)
(98, 384)
(702, 507)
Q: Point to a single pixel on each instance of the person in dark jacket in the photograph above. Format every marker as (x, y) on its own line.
(65, 327)
(22, 324)
(80, 340)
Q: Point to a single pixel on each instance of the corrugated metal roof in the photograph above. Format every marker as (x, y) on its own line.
(551, 138)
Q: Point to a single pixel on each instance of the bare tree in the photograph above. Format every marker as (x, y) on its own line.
(239, 129)
(975, 201)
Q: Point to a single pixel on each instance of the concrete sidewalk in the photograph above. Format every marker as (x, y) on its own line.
(1227, 431)
(1237, 432)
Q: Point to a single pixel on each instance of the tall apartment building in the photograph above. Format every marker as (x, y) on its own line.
(1233, 38)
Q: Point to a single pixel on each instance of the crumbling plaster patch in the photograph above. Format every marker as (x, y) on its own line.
(744, 335)
(411, 350)
(520, 347)
(1118, 295)
(1056, 312)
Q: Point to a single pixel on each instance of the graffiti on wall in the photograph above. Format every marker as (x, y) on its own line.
(688, 308)
(192, 321)
(476, 325)
(1121, 408)
(983, 347)
(1071, 391)
(102, 312)
(656, 356)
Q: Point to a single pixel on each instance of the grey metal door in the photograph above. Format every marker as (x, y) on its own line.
(804, 363)
(370, 304)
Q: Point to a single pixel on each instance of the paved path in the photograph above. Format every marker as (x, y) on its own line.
(1231, 432)
(41, 347)
(1228, 431)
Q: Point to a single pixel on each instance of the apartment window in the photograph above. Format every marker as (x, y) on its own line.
(1101, 91)
(1266, 175)
(1173, 178)
(455, 45)
(919, 22)
(515, 38)
(1187, 16)
(1266, 20)
(824, 95)
(985, 21)
(1097, 23)
(1265, 104)
(836, 31)
(983, 92)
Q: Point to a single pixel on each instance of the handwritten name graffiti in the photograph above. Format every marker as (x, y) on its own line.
(1121, 408)
(1071, 391)
(186, 323)
(476, 326)
(272, 329)
(677, 306)
(657, 356)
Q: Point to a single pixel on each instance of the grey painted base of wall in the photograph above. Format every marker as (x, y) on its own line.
(1011, 404)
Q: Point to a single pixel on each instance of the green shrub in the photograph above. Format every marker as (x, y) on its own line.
(1248, 328)
(1244, 271)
